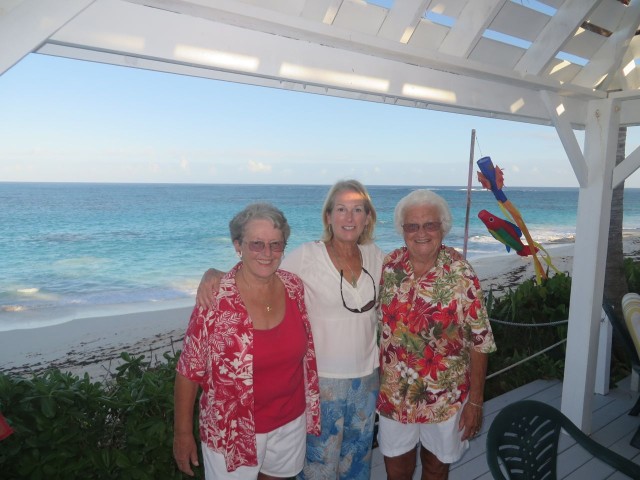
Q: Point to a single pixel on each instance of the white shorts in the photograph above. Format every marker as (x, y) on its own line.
(281, 453)
(442, 439)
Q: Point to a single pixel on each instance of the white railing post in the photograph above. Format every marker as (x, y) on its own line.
(603, 363)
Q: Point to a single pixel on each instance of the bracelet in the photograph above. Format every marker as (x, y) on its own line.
(474, 404)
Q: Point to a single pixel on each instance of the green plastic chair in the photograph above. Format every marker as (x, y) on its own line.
(524, 438)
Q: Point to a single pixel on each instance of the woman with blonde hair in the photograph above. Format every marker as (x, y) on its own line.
(341, 273)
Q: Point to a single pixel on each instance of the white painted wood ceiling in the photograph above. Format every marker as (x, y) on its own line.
(482, 57)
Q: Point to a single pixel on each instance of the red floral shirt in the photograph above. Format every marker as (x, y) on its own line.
(429, 324)
(218, 355)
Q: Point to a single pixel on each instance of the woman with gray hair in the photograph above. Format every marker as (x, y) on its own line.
(435, 337)
(252, 353)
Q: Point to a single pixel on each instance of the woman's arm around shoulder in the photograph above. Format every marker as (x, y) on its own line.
(209, 285)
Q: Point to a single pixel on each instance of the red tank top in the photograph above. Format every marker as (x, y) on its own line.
(278, 374)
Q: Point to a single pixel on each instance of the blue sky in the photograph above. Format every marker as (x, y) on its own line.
(66, 120)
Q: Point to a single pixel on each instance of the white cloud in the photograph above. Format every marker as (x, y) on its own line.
(184, 164)
(258, 167)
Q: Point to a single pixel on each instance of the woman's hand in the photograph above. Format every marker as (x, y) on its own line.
(455, 255)
(185, 452)
(470, 420)
(209, 285)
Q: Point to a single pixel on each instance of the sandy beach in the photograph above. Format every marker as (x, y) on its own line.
(93, 345)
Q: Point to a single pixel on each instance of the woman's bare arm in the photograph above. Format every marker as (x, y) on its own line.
(209, 285)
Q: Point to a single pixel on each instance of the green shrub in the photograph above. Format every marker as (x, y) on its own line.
(70, 427)
(632, 272)
(529, 304)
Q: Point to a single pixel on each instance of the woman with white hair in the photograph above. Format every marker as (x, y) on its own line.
(435, 337)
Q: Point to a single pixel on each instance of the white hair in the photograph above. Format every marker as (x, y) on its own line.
(425, 198)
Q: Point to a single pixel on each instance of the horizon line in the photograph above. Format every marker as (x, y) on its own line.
(71, 182)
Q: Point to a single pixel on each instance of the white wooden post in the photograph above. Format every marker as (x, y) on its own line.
(589, 261)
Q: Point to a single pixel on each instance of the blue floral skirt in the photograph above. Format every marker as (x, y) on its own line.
(347, 414)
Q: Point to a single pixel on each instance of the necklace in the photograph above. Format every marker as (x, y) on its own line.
(354, 278)
(266, 304)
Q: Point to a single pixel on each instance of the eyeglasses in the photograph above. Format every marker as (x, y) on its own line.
(259, 245)
(369, 305)
(428, 226)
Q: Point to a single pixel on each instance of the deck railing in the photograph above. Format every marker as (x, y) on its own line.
(604, 353)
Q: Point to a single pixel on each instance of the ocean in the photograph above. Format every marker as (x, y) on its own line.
(73, 250)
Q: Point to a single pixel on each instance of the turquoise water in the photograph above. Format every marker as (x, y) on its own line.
(76, 250)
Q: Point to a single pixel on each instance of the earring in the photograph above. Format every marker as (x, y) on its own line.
(239, 254)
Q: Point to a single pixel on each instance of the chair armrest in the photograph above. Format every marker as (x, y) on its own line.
(601, 452)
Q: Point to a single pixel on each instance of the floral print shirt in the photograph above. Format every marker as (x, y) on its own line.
(429, 326)
(217, 354)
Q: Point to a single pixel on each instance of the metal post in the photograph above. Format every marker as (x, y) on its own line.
(466, 220)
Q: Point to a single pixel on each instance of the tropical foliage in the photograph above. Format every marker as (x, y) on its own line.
(531, 319)
(70, 427)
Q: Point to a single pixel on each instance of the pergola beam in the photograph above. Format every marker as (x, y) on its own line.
(627, 167)
(30, 23)
(567, 136)
(472, 22)
(555, 34)
(605, 61)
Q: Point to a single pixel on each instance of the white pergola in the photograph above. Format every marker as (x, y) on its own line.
(571, 64)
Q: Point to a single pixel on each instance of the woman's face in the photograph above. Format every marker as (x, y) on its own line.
(260, 233)
(348, 217)
(423, 245)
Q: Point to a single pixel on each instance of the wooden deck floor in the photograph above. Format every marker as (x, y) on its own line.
(612, 426)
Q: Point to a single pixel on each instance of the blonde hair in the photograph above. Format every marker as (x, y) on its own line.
(329, 203)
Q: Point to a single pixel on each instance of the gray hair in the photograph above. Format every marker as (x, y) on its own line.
(425, 198)
(258, 211)
(330, 202)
